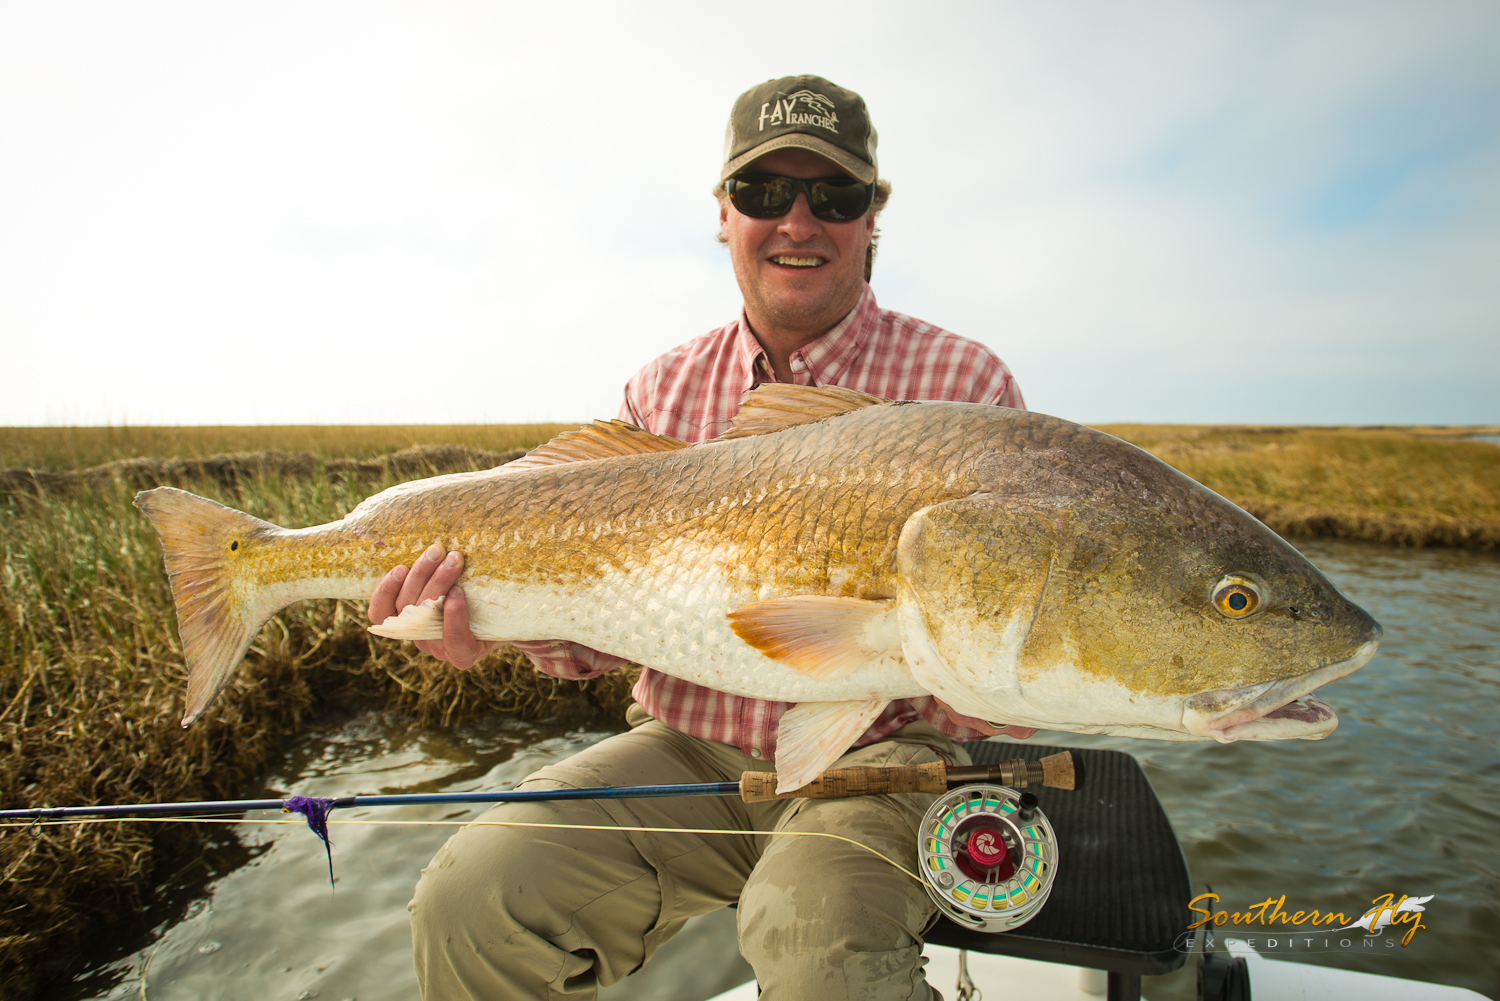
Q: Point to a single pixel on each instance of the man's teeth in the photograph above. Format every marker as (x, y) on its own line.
(797, 262)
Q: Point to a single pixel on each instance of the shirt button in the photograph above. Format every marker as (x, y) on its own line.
(754, 752)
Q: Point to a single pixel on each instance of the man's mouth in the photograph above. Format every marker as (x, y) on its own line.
(789, 261)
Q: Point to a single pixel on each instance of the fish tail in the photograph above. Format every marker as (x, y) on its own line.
(205, 546)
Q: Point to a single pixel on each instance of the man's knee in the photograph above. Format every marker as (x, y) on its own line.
(468, 894)
(537, 879)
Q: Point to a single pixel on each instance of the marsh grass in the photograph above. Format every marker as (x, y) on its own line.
(1403, 486)
(91, 682)
(59, 448)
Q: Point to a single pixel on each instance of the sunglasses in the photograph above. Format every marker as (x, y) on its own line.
(767, 196)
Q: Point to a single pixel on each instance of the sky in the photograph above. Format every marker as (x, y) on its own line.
(441, 212)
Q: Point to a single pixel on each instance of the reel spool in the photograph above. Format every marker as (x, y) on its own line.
(987, 856)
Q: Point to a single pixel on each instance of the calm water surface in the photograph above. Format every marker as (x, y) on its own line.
(1404, 799)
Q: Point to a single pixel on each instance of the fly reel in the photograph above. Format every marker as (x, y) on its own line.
(987, 856)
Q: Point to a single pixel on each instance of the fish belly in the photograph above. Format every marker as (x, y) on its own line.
(674, 626)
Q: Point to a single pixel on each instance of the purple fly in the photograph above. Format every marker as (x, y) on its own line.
(316, 811)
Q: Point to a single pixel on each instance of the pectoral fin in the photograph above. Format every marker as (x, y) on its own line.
(822, 637)
(813, 735)
(421, 621)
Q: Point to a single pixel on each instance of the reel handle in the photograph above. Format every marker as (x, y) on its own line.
(841, 783)
(1056, 771)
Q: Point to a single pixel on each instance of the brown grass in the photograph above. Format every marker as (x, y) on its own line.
(58, 448)
(229, 470)
(1402, 486)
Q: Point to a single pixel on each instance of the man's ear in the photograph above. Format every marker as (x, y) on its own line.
(869, 244)
(724, 219)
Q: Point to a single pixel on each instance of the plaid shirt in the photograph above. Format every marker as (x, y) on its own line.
(693, 392)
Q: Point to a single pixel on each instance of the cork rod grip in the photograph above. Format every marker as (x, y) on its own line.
(841, 783)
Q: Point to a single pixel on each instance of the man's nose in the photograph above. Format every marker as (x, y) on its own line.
(800, 224)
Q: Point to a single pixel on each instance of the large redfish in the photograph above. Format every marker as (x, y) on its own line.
(839, 551)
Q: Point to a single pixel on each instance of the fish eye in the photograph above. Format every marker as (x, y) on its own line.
(1236, 597)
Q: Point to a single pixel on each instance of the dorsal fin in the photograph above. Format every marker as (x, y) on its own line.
(599, 440)
(775, 406)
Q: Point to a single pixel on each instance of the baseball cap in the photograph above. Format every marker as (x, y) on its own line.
(807, 112)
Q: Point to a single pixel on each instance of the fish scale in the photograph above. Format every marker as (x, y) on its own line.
(836, 551)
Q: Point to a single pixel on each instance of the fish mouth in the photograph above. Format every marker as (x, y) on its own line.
(1274, 710)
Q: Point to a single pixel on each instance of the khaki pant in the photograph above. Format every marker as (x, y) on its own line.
(506, 912)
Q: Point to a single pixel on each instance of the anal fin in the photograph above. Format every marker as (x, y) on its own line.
(420, 621)
(813, 735)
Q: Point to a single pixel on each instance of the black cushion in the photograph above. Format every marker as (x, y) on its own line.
(1119, 901)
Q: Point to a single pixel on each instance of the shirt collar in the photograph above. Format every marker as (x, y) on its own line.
(827, 358)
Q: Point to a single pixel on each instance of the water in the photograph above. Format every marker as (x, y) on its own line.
(1404, 798)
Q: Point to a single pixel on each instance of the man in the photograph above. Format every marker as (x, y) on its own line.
(505, 912)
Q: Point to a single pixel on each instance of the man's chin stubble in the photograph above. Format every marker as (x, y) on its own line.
(817, 317)
(810, 317)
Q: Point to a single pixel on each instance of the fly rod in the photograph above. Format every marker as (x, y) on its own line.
(1058, 771)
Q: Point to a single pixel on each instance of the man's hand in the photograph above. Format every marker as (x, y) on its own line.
(430, 575)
